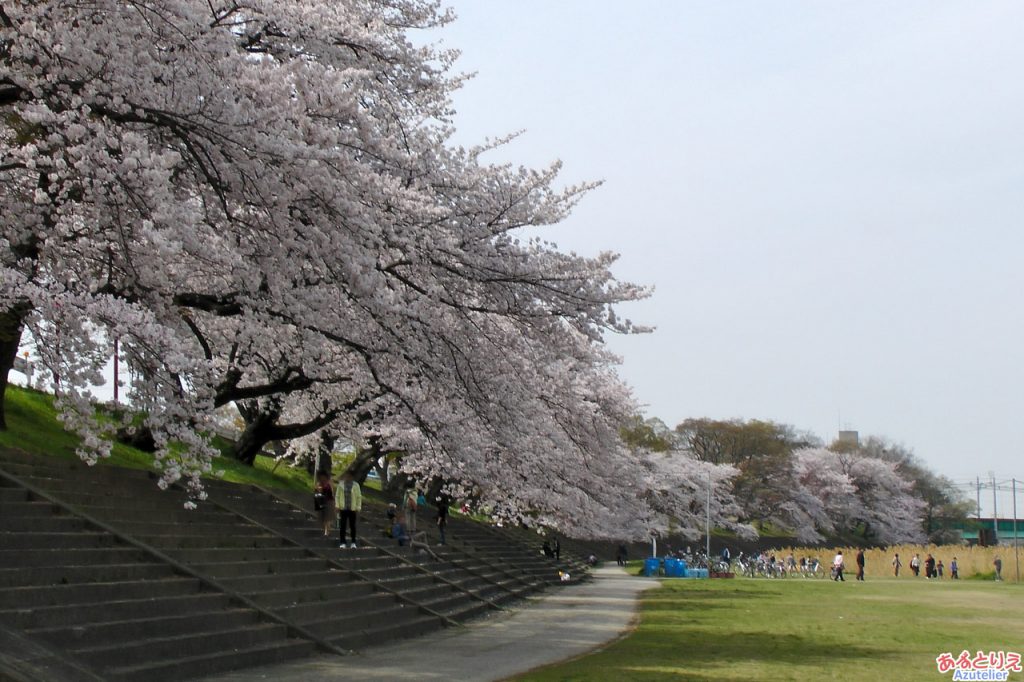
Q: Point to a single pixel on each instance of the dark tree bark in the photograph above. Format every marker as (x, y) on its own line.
(325, 464)
(261, 427)
(12, 321)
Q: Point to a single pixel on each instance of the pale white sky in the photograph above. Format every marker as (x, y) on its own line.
(827, 197)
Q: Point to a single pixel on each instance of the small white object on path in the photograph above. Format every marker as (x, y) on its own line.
(562, 624)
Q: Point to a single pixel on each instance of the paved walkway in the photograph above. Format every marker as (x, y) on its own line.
(562, 624)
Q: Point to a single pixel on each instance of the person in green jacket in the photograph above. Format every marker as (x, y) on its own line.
(349, 499)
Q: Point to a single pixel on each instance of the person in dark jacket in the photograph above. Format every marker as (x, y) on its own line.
(860, 564)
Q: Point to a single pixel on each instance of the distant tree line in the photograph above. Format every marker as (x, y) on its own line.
(786, 480)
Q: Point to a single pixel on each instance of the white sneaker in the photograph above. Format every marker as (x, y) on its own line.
(342, 546)
(353, 545)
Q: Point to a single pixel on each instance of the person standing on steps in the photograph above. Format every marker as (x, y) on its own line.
(409, 507)
(323, 501)
(349, 498)
(442, 516)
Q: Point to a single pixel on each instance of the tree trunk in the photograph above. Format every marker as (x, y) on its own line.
(11, 324)
(365, 461)
(251, 442)
(326, 465)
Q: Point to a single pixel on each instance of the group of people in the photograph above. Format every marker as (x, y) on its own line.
(932, 568)
(347, 500)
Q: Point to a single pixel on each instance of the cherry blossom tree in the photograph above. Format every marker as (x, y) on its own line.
(676, 489)
(259, 201)
(824, 497)
(887, 504)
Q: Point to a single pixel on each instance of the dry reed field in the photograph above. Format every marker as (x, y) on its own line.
(974, 562)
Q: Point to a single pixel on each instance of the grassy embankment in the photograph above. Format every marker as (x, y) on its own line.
(757, 629)
(32, 426)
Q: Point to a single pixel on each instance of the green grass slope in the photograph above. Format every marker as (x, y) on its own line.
(32, 426)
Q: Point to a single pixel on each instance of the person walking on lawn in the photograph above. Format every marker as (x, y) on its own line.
(860, 565)
(837, 568)
(349, 498)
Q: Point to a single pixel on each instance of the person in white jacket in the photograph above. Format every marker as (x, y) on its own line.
(837, 568)
(349, 499)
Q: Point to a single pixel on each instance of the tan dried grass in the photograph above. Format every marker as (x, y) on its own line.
(972, 560)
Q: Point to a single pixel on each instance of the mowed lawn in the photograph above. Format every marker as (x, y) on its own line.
(746, 630)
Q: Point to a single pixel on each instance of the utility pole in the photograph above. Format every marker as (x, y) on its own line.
(1016, 541)
(995, 516)
(708, 523)
(977, 480)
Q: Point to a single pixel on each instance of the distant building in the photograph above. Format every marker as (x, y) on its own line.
(849, 438)
(989, 531)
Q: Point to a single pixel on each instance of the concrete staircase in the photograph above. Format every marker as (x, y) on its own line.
(114, 607)
(116, 576)
(494, 582)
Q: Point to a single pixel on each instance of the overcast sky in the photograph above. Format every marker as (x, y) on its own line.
(827, 197)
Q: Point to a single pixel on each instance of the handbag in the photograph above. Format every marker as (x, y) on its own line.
(319, 501)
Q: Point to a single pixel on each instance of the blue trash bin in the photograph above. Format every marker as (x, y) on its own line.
(652, 566)
(683, 571)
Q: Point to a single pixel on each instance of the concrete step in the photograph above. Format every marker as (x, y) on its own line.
(233, 569)
(427, 594)
(80, 614)
(184, 540)
(72, 540)
(198, 525)
(218, 555)
(8, 494)
(311, 612)
(98, 634)
(397, 571)
(116, 513)
(40, 575)
(343, 622)
(140, 503)
(40, 524)
(40, 509)
(71, 556)
(193, 667)
(280, 581)
(276, 599)
(197, 643)
(388, 634)
(94, 593)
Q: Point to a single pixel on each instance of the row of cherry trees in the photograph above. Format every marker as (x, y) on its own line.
(260, 202)
(786, 480)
